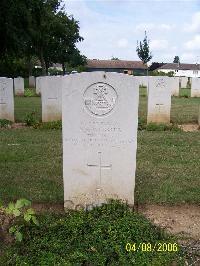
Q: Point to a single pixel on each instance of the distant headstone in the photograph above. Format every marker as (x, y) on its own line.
(38, 89)
(159, 100)
(51, 94)
(19, 86)
(100, 117)
(6, 99)
(31, 82)
(195, 87)
(184, 81)
(175, 86)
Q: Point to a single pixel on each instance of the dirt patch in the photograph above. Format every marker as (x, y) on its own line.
(182, 220)
(189, 127)
(18, 125)
(14, 126)
(47, 207)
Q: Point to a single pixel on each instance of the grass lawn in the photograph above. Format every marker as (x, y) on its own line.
(27, 105)
(183, 110)
(167, 166)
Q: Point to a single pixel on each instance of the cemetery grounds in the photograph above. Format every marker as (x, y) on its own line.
(167, 183)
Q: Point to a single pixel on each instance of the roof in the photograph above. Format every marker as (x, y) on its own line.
(176, 66)
(95, 63)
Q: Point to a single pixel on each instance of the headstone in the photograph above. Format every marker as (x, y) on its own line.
(19, 86)
(38, 89)
(175, 86)
(100, 117)
(31, 82)
(6, 99)
(195, 87)
(184, 81)
(51, 94)
(159, 100)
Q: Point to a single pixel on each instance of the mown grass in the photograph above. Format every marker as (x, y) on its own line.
(183, 109)
(27, 105)
(167, 166)
(96, 237)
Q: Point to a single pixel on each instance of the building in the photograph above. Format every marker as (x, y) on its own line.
(120, 66)
(181, 70)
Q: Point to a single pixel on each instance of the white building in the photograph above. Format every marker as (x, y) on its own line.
(181, 70)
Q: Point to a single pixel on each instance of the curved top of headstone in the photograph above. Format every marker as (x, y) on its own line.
(100, 74)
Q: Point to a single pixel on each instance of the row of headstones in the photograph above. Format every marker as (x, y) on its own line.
(18, 85)
(99, 130)
(50, 88)
(177, 83)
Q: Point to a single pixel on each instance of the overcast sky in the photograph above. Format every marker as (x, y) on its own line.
(112, 28)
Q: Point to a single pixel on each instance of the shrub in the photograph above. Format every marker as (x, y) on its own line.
(185, 95)
(31, 119)
(49, 125)
(141, 123)
(30, 93)
(4, 123)
(162, 127)
(12, 219)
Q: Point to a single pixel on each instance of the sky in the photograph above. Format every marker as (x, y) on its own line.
(111, 28)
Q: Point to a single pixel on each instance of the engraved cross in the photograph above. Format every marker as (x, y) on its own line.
(100, 166)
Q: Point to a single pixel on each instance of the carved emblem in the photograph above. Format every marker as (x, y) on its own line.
(100, 98)
(161, 84)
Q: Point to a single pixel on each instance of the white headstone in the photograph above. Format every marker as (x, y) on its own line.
(175, 86)
(51, 94)
(6, 99)
(31, 82)
(38, 89)
(159, 100)
(195, 87)
(184, 81)
(19, 86)
(100, 117)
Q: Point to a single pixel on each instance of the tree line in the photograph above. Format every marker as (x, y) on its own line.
(35, 31)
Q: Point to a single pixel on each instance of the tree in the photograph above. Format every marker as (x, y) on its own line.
(114, 58)
(155, 65)
(14, 22)
(143, 51)
(176, 59)
(66, 35)
(37, 28)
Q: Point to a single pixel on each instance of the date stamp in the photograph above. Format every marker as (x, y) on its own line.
(149, 247)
